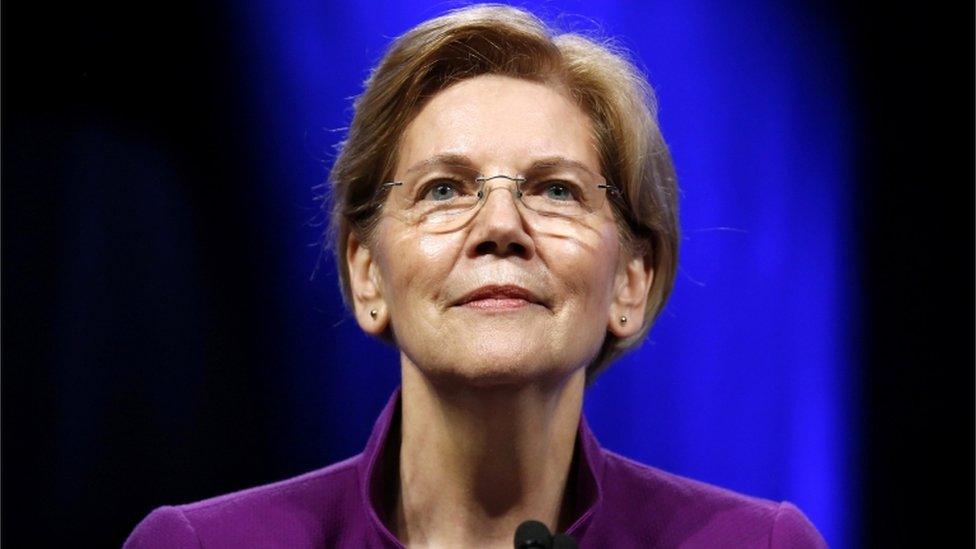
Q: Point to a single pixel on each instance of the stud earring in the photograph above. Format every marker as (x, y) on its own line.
(623, 320)
(373, 313)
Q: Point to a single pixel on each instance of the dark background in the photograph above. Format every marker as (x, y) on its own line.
(103, 102)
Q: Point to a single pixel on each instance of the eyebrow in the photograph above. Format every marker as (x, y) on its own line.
(447, 159)
(558, 162)
(453, 159)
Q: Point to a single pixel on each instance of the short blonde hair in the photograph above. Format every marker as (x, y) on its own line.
(495, 39)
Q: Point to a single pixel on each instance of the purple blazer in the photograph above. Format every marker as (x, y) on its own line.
(617, 503)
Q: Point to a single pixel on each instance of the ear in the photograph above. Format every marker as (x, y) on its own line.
(629, 300)
(366, 288)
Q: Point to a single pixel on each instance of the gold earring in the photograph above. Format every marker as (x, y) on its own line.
(373, 313)
(623, 320)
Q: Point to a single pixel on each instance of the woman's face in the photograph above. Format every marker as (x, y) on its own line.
(504, 298)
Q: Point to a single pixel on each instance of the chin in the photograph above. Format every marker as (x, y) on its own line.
(496, 367)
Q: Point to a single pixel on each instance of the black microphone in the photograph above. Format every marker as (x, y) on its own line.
(563, 541)
(532, 534)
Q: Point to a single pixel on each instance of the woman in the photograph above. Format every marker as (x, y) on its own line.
(505, 213)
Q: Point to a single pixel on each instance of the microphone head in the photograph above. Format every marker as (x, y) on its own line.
(532, 534)
(563, 541)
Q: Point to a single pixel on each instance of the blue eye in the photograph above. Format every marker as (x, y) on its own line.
(558, 191)
(441, 191)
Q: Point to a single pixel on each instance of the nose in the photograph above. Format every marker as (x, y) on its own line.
(499, 227)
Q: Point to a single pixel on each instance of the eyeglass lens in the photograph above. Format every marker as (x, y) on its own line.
(445, 198)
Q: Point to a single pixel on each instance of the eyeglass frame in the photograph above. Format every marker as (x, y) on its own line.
(518, 179)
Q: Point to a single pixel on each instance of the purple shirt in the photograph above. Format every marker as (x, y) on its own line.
(617, 503)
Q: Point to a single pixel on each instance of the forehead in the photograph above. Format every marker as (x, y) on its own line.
(501, 123)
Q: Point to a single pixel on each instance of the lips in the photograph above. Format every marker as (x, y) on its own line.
(500, 297)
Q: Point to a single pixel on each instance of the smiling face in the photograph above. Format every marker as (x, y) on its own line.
(508, 297)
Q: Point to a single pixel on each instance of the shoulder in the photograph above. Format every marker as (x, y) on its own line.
(675, 510)
(164, 527)
(295, 512)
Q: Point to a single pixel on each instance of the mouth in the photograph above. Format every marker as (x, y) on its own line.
(499, 298)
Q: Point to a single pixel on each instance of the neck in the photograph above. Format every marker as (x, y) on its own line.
(475, 462)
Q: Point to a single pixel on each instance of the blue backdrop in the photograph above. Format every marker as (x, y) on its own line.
(746, 380)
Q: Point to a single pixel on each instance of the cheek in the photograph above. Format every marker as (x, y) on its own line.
(413, 264)
(586, 266)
